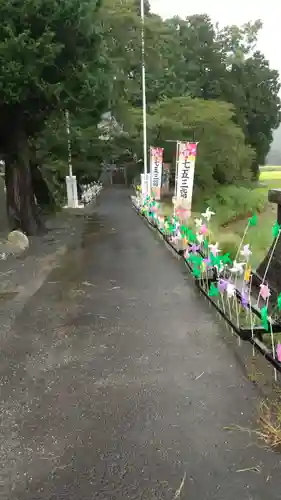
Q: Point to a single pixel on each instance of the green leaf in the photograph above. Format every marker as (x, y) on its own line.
(213, 291)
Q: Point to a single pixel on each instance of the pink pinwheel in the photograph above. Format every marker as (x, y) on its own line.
(203, 229)
(264, 292)
(186, 253)
(278, 352)
(207, 261)
(175, 239)
(182, 212)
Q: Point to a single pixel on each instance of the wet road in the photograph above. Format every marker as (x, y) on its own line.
(116, 382)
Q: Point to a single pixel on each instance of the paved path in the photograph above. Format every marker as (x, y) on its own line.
(116, 382)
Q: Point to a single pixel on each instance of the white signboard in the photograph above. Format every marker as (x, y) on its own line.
(145, 185)
(186, 155)
(156, 163)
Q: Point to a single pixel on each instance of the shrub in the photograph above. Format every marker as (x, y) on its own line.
(233, 202)
(229, 243)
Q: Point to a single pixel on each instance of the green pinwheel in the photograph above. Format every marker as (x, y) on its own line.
(196, 272)
(206, 244)
(252, 221)
(213, 291)
(279, 302)
(225, 259)
(184, 231)
(264, 318)
(191, 236)
(215, 260)
(276, 229)
(196, 260)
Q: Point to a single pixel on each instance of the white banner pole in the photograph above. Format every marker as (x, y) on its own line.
(144, 100)
(185, 175)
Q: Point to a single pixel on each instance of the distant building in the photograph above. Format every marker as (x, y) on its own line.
(109, 126)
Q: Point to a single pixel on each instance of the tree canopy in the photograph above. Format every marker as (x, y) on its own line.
(49, 60)
(193, 57)
(203, 82)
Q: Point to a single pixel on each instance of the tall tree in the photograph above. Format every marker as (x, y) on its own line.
(193, 57)
(146, 5)
(252, 86)
(223, 156)
(195, 64)
(49, 60)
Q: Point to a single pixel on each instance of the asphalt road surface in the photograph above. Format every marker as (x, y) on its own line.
(116, 382)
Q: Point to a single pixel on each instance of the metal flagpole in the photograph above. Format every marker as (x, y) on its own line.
(70, 173)
(144, 99)
(71, 182)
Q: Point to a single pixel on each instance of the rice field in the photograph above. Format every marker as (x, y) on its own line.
(271, 175)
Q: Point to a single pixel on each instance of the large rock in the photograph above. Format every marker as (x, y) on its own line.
(18, 239)
(16, 243)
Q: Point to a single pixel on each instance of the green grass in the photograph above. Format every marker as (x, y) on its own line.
(269, 175)
(270, 167)
(233, 205)
(260, 237)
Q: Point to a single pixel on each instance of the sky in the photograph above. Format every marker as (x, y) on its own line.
(232, 12)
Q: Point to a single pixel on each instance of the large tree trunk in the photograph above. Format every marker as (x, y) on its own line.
(41, 189)
(21, 206)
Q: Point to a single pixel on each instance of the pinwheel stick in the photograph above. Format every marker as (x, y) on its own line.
(273, 348)
(268, 263)
(251, 314)
(272, 340)
(242, 241)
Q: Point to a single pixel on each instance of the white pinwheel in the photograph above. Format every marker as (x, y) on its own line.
(237, 267)
(208, 214)
(198, 222)
(230, 290)
(246, 252)
(214, 249)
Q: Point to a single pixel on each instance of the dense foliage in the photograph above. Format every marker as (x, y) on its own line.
(49, 59)
(204, 83)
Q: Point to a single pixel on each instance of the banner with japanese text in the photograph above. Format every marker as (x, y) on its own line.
(156, 163)
(186, 156)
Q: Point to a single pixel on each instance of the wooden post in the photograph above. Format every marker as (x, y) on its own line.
(273, 277)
